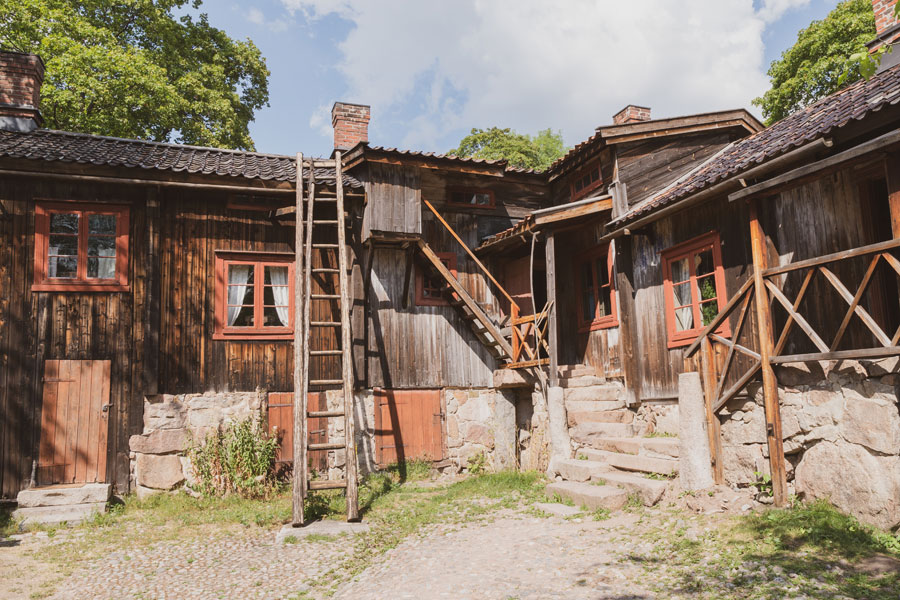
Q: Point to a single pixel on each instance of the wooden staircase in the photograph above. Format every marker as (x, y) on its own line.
(307, 223)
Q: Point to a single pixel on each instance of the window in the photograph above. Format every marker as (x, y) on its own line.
(430, 285)
(80, 247)
(694, 286)
(596, 290)
(254, 296)
(471, 197)
(586, 181)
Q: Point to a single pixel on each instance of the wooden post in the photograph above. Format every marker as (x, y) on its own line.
(299, 433)
(713, 426)
(550, 259)
(770, 383)
(893, 181)
(346, 354)
(152, 313)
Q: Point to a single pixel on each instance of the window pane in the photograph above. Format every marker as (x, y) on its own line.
(101, 268)
(240, 295)
(243, 316)
(707, 287)
(64, 223)
(63, 245)
(605, 306)
(684, 319)
(63, 266)
(240, 274)
(708, 312)
(275, 316)
(703, 262)
(680, 270)
(103, 224)
(682, 294)
(275, 275)
(602, 272)
(101, 246)
(588, 299)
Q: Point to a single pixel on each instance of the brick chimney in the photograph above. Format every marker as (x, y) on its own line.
(631, 114)
(887, 32)
(351, 124)
(21, 76)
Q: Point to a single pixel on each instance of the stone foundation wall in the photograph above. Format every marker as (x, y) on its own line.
(841, 430)
(481, 421)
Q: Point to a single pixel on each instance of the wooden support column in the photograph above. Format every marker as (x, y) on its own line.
(713, 426)
(150, 379)
(770, 383)
(893, 182)
(552, 332)
(299, 433)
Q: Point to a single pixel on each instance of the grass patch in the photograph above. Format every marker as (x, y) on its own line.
(660, 434)
(601, 514)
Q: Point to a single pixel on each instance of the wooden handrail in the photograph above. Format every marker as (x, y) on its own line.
(719, 318)
(828, 258)
(469, 252)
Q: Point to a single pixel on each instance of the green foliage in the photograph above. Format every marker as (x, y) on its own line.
(602, 514)
(477, 463)
(520, 150)
(763, 484)
(134, 69)
(238, 459)
(820, 61)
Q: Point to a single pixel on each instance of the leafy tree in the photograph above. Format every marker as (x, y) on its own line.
(822, 59)
(520, 150)
(132, 68)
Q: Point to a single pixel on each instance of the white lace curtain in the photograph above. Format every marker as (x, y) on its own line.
(238, 278)
(281, 293)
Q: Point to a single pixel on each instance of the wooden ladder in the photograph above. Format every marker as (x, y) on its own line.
(482, 325)
(307, 223)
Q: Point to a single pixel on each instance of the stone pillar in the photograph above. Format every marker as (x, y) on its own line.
(694, 460)
(560, 443)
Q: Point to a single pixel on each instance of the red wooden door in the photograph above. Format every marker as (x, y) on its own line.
(408, 425)
(281, 422)
(74, 422)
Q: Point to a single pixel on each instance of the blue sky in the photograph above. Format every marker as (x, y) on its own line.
(433, 70)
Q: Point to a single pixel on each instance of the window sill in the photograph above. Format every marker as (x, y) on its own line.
(597, 325)
(244, 336)
(81, 287)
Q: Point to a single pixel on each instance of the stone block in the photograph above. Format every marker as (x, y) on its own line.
(625, 445)
(583, 381)
(70, 514)
(645, 464)
(664, 447)
(599, 416)
(741, 462)
(475, 409)
(595, 393)
(89, 493)
(164, 412)
(590, 496)
(873, 423)
(592, 405)
(511, 378)
(159, 472)
(205, 418)
(796, 374)
(749, 428)
(885, 366)
(649, 490)
(574, 469)
(161, 441)
(591, 434)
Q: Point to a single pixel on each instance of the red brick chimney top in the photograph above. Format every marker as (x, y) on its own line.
(351, 124)
(21, 76)
(631, 114)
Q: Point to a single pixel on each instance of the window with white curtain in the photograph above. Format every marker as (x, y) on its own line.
(253, 296)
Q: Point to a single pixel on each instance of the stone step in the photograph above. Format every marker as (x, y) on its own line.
(596, 393)
(590, 433)
(570, 371)
(58, 495)
(594, 405)
(649, 490)
(632, 462)
(661, 447)
(588, 495)
(573, 469)
(54, 515)
(576, 417)
(582, 381)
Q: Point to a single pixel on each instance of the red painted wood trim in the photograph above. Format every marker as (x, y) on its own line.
(421, 300)
(259, 260)
(598, 322)
(591, 187)
(42, 283)
(709, 240)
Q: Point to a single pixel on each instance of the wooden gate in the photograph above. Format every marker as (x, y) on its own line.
(408, 425)
(281, 421)
(74, 422)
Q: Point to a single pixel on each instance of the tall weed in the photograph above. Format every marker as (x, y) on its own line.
(237, 459)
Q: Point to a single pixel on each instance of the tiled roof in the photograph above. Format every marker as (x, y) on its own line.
(851, 103)
(50, 145)
(453, 158)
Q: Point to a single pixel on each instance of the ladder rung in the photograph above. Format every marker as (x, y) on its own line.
(325, 352)
(324, 270)
(326, 484)
(322, 414)
(325, 296)
(326, 381)
(322, 221)
(328, 446)
(325, 246)
(325, 324)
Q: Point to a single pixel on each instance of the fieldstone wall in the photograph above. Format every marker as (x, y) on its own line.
(841, 429)
(481, 420)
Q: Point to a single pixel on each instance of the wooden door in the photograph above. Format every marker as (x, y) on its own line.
(74, 422)
(281, 423)
(408, 425)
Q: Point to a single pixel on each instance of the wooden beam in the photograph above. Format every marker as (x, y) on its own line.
(770, 383)
(864, 354)
(861, 312)
(599, 205)
(796, 317)
(298, 488)
(723, 314)
(713, 425)
(835, 257)
(152, 312)
(407, 276)
(552, 333)
(893, 180)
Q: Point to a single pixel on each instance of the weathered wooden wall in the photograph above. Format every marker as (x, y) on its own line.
(394, 200)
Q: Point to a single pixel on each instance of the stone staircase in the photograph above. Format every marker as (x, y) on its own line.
(612, 460)
(52, 505)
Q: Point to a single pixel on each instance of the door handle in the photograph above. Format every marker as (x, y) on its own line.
(105, 407)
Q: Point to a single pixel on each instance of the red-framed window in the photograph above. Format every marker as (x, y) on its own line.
(694, 287)
(586, 181)
(595, 280)
(254, 296)
(80, 247)
(479, 198)
(430, 285)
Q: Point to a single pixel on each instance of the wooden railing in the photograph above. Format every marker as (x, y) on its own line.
(723, 379)
(522, 329)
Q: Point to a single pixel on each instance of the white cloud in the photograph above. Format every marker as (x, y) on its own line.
(257, 17)
(532, 64)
